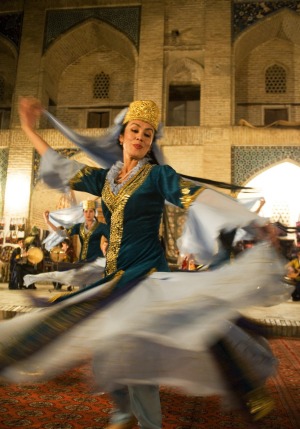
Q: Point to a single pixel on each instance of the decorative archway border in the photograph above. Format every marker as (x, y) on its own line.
(125, 19)
(246, 162)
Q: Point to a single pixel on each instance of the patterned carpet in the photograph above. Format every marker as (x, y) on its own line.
(68, 403)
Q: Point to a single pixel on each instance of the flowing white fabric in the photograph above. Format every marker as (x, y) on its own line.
(210, 213)
(56, 170)
(104, 149)
(54, 238)
(161, 331)
(66, 218)
(89, 273)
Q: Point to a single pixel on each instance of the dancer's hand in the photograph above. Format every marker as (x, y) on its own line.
(46, 215)
(30, 110)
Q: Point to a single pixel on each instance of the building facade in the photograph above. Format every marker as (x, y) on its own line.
(224, 73)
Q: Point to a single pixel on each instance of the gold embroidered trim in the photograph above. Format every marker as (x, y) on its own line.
(187, 198)
(116, 205)
(145, 110)
(259, 403)
(86, 238)
(56, 296)
(87, 170)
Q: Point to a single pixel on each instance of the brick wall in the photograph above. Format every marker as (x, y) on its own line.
(188, 40)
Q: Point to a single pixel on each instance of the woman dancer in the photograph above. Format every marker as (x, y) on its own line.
(90, 232)
(93, 236)
(170, 326)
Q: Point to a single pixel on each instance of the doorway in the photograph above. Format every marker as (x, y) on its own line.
(279, 186)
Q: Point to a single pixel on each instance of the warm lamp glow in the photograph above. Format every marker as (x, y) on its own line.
(279, 187)
(17, 195)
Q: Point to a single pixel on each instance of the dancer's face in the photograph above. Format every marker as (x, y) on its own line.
(137, 139)
(89, 214)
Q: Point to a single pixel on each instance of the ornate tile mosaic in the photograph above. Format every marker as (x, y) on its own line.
(125, 19)
(11, 27)
(247, 161)
(3, 175)
(246, 13)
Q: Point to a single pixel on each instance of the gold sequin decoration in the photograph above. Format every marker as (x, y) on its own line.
(87, 170)
(259, 403)
(116, 205)
(56, 296)
(145, 110)
(187, 198)
(85, 236)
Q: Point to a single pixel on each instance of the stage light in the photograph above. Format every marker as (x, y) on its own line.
(17, 195)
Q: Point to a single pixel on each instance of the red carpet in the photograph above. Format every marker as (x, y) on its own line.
(67, 402)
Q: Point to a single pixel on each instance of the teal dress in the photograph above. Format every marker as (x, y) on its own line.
(89, 240)
(164, 328)
(133, 214)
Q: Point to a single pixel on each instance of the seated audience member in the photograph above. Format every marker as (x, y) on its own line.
(68, 251)
(67, 258)
(293, 272)
(16, 257)
(20, 266)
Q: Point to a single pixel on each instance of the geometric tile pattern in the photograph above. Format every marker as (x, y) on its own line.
(275, 80)
(280, 213)
(101, 85)
(11, 26)
(125, 19)
(247, 13)
(247, 161)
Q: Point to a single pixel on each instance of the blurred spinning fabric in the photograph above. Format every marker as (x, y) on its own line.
(68, 402)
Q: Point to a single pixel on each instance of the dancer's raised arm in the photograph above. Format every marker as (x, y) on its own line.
(30, 110)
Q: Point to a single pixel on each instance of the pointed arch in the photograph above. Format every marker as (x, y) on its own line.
(8, 68)
(256, 49)
(81, 40)
(284, 24)
(185, 70)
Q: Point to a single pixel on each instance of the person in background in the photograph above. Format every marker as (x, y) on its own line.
(68, 250)
(68, 269)
(15, 282)
(33, 239)
(92, 234)
(293, 272)
(20, 264)
(66, 260)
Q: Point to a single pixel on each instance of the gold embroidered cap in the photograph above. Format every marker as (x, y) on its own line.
(144, 110)
(89, 204)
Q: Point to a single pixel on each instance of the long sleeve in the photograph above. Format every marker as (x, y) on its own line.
(210, 213)
(56, 171)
